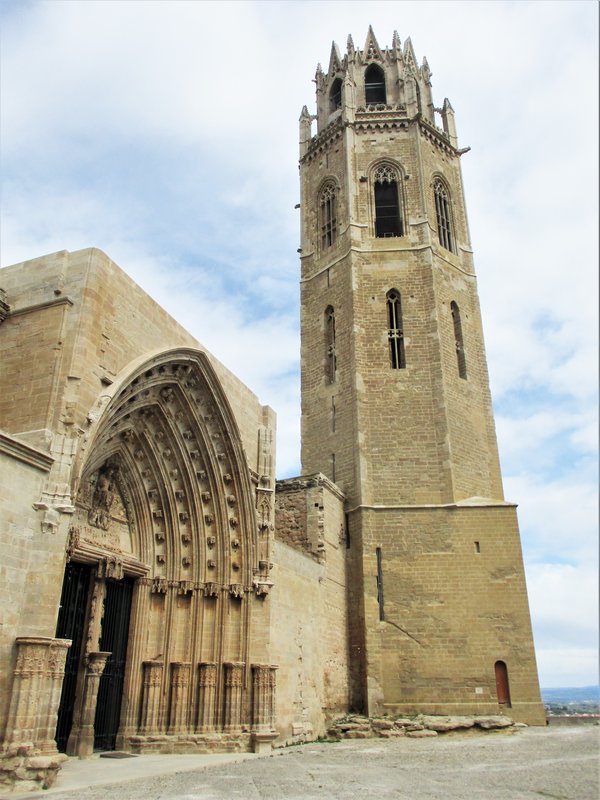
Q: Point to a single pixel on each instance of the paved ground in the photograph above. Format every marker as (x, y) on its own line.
(555, 763)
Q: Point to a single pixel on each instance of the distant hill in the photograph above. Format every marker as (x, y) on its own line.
(575, 694)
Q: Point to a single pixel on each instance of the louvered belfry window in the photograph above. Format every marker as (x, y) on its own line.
(388, 216)
(442, 211)
(328, 211)
(374, 85)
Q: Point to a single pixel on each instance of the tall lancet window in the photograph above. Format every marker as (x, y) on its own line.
(330, 351)
(328, 213)
(388, 208)
(395, 330)
(335, 95)
(442, 211)
(458, 338)
(374, 85)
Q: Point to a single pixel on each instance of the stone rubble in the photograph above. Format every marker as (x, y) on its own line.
(419, 727)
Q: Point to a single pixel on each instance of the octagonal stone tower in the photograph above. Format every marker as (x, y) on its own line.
(396, 406)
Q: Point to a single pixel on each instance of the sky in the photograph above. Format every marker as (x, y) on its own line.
(166, 134)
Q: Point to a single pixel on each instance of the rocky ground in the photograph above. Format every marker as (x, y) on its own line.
(359, 727)
(510, 764)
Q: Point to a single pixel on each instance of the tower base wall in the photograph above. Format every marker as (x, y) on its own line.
(447, 627)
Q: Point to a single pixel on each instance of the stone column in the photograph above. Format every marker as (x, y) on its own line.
(263, 707)
(82, 743)
(261, 698)
(234, 673)
(55, 672)
(273, 694)
(180, 692)
(153, 672)
(207, 693)
(28, 687)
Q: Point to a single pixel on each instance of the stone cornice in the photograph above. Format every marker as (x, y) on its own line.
(55, 301)
(472, 503)
(379, 118)
(14, 448)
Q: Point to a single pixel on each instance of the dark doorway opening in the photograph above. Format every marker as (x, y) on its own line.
(115, 632)
(71, 617)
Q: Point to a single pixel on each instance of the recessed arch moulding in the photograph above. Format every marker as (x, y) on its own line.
(164, 495)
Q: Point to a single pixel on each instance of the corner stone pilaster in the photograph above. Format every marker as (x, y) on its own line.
(29, 758)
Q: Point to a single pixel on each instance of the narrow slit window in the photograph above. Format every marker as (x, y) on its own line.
(388, 216)
(442, 211)
(335, 95)
(380, 584)
(328, 211)
(374, 85)
(395, 330)
(330, 345)
(458, 341)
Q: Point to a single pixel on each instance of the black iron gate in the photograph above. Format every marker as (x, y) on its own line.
(71, 615)
(115, 630)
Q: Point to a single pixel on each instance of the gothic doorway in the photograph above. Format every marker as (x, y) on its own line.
(115, 631)
(71, 617)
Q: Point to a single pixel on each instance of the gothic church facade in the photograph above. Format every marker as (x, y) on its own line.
(162, 591)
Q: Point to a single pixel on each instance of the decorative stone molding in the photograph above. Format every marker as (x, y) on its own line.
(4, 306)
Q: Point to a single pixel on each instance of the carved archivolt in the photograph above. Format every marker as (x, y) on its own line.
(165, 495)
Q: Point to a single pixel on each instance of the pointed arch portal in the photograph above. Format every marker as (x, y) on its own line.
(165, 501)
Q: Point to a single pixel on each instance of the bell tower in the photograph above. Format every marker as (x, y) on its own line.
(396, 406)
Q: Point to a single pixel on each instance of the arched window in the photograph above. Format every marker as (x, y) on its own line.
(395, 332)
(374, 85)
(330, 354)
(335, 95)
(442, 211)
(328, 212)
(388, 217)
(502, 686)
(458, 339)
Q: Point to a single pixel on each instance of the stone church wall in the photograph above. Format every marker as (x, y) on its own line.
(309, 613)
(76, 321)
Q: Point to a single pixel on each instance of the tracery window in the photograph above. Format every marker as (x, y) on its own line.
(335, 95)
(388, 216)
(328, 212)
(442, 211)
(374, 85)
(330, 346)
(395, 330)
(458, 338)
